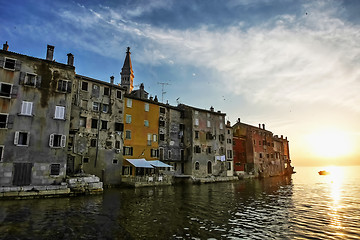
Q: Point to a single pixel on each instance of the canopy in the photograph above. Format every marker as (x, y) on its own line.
(139, 163)
(157, 163)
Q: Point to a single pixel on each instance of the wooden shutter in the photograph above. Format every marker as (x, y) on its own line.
(38, 81)
(14, 91)
(17, 65)
(10, 121)
(63, 141)
(22, 78)
(16, 138)
(131, 151)
(51, 140)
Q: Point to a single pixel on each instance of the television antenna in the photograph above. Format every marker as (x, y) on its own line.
(163, 84)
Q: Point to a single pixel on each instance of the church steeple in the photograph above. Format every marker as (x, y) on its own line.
(127, 74)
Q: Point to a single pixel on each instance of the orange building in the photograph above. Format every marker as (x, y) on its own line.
(141, 128)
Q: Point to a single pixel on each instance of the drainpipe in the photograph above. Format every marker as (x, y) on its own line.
(98, 134)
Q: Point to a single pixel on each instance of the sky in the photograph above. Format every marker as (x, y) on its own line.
(292, 65)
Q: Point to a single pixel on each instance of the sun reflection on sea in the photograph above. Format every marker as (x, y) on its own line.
(335, 181)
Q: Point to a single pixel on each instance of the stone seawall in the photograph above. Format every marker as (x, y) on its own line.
(79, 185)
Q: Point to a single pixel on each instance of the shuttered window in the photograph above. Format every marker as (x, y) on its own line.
(26, 108)
(22, 138)
(59, 112)
(57, 140)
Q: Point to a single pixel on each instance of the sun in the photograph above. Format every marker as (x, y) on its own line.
(330, 143)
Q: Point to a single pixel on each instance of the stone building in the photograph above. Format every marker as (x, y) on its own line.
(229, 150)
(204, 142)
(258, 152)
(96, 129)
(35, 103)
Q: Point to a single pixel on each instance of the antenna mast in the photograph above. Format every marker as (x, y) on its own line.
(162, 89)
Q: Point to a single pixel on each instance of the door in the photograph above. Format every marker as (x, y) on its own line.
(22, 174)
(70, 165)
(209, 167)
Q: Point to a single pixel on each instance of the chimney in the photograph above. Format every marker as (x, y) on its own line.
(5, 46)
(259, 125)
(228, 123)
(155, 99)
(238, 119)
(281, 136)
(50, 52)
(70, 60)
(151, 98)
(112, 79)
(263, 126)
(211, 108)
(142, 86)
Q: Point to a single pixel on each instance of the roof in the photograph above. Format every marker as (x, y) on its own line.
(157, 163)
(98, 81)
(203, 110)
(140, 163)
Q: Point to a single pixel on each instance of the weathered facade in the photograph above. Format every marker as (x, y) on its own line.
(96, 129)
(258, 152)
(204, 142)
(229, 150)
(35, 103)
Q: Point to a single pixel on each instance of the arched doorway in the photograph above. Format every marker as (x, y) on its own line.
(209, 166)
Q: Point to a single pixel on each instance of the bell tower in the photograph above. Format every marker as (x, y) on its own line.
(127, 74)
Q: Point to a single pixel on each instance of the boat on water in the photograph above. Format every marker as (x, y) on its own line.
(323, 172)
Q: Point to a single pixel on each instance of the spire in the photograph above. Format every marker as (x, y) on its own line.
(127, 74)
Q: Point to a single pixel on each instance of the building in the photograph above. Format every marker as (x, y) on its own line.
(35, 107)
(96, 129)
(204, 142)
(229, 150)
(258, 152)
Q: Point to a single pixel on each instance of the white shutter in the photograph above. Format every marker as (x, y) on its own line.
(63, 141)
(51, 140)
(16, 138)
(59, 112)
(196, 122)
(26, 108)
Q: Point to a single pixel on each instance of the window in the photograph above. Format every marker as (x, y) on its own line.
(208, 124)
(229, 131)
(9, 63)
(209, 136)
(105, 108)
(154, 137)
(208, 150)
(82, 122)
(106, 91)
(117, 144)
(229, 153)
(228, 165)
(93, 142)
(154, 152)
(54, 169)
(95, 92)
(59, 112)
(118, 94)
(1, 153)
(21, 138)
(57, 140)
(267, 155)
(182, 155)
(30, 79)
(26, 108)
(119, 127)
(196, 122)
(85, 160)
(146, 123)
(169, 154)
(129, 103)
(162, 110)
(146, 107)
(128, 134)
(161, 123)
(128, 151)
(5, 90)
(260, 155)
(128, 118)
(196, 134)
(96, 106)
(104, 124)
(221, 126)
(272, 155)
(162, 137)
(196, 112)
(149, 139)
(228, 140)
(84, 104)
(197, 149)
(115, 161)
(3, 120)
(94, 123)
(84, 86)
(197, 166)
(64, 86)
(109, 144)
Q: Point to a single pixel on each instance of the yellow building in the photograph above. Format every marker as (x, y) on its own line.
(141, 128)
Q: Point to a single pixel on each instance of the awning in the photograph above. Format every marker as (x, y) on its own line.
(139, 163)
(157, 163)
